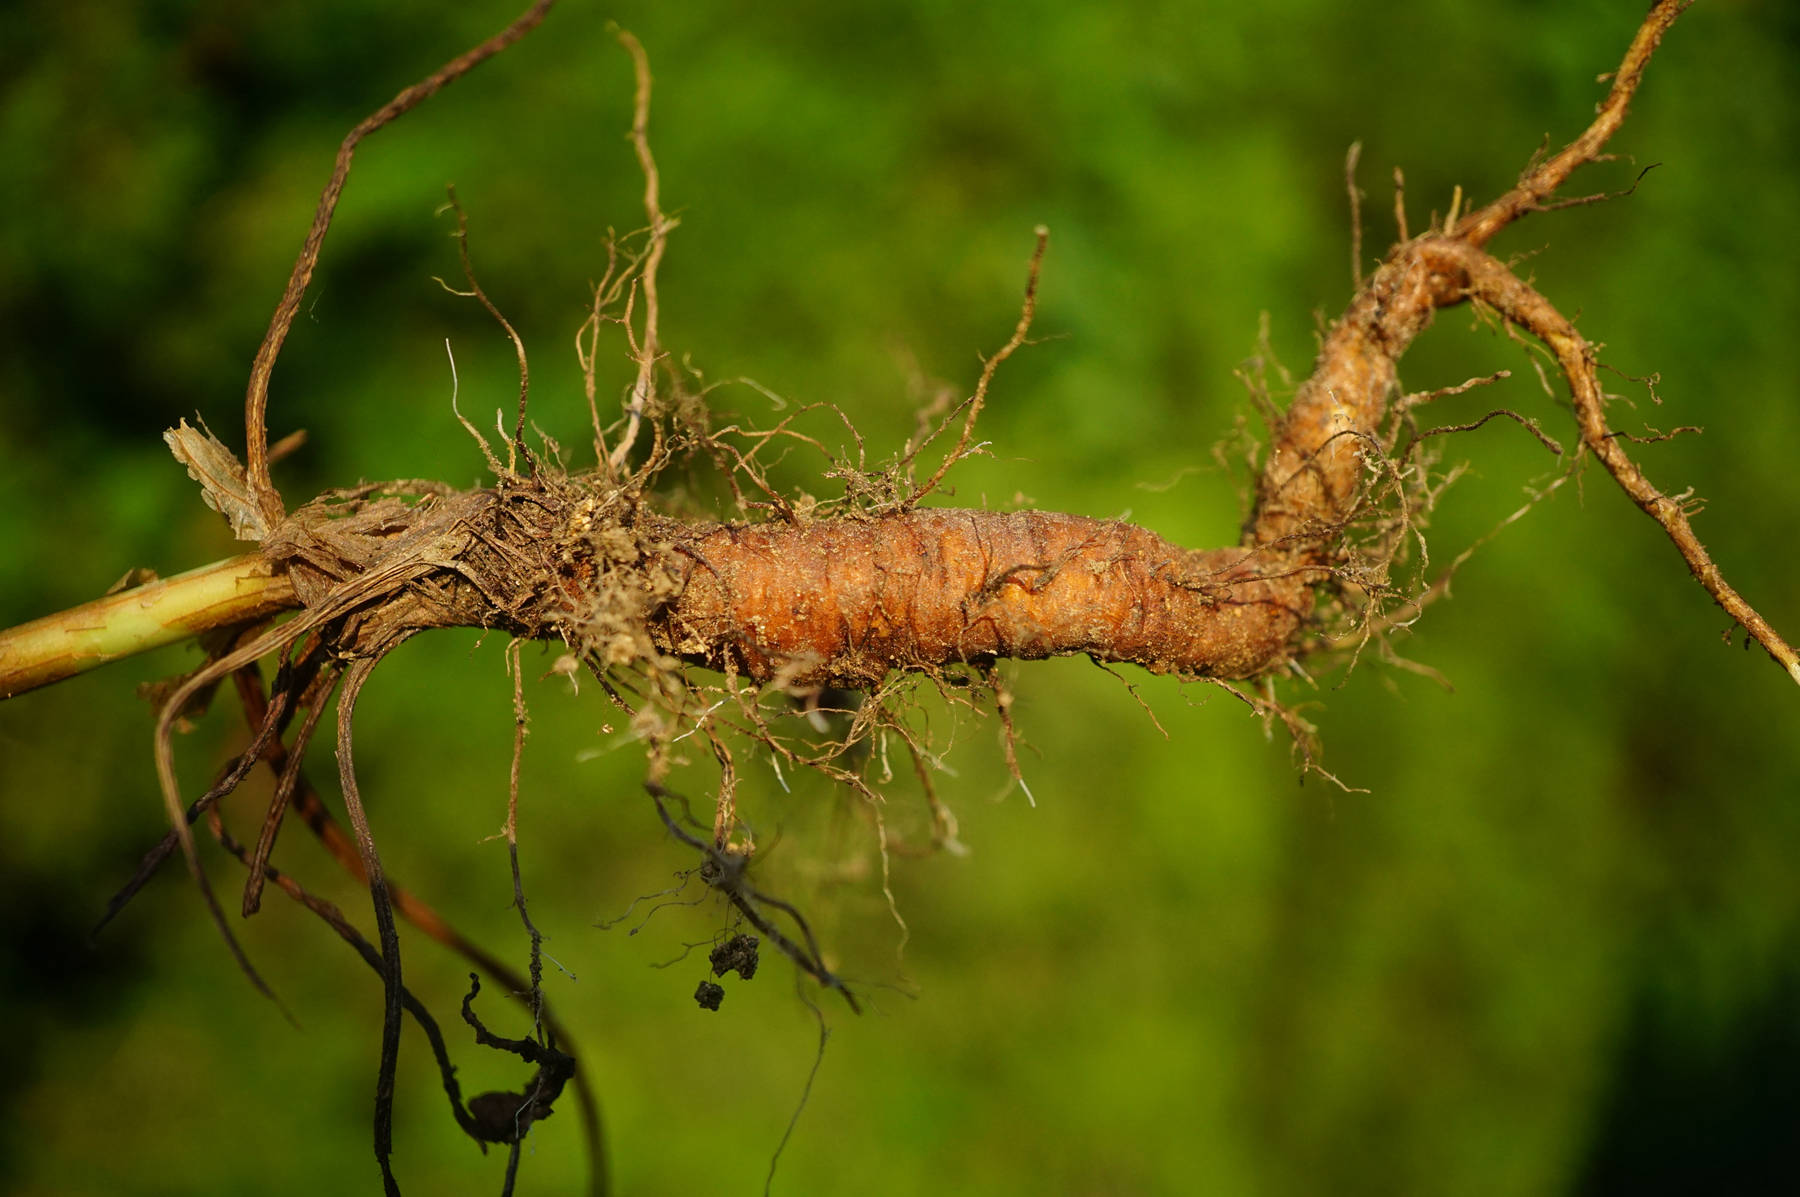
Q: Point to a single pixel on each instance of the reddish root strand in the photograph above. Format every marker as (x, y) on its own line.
(1492, 283)
(256, 400)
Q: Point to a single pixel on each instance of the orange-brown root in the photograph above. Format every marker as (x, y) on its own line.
(845, 602)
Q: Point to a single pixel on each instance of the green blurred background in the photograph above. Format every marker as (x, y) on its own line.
(1552, 944)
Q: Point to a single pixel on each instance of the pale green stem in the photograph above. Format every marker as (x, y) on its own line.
(139, 619)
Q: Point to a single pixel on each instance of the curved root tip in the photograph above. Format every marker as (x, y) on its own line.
(1794, 672)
